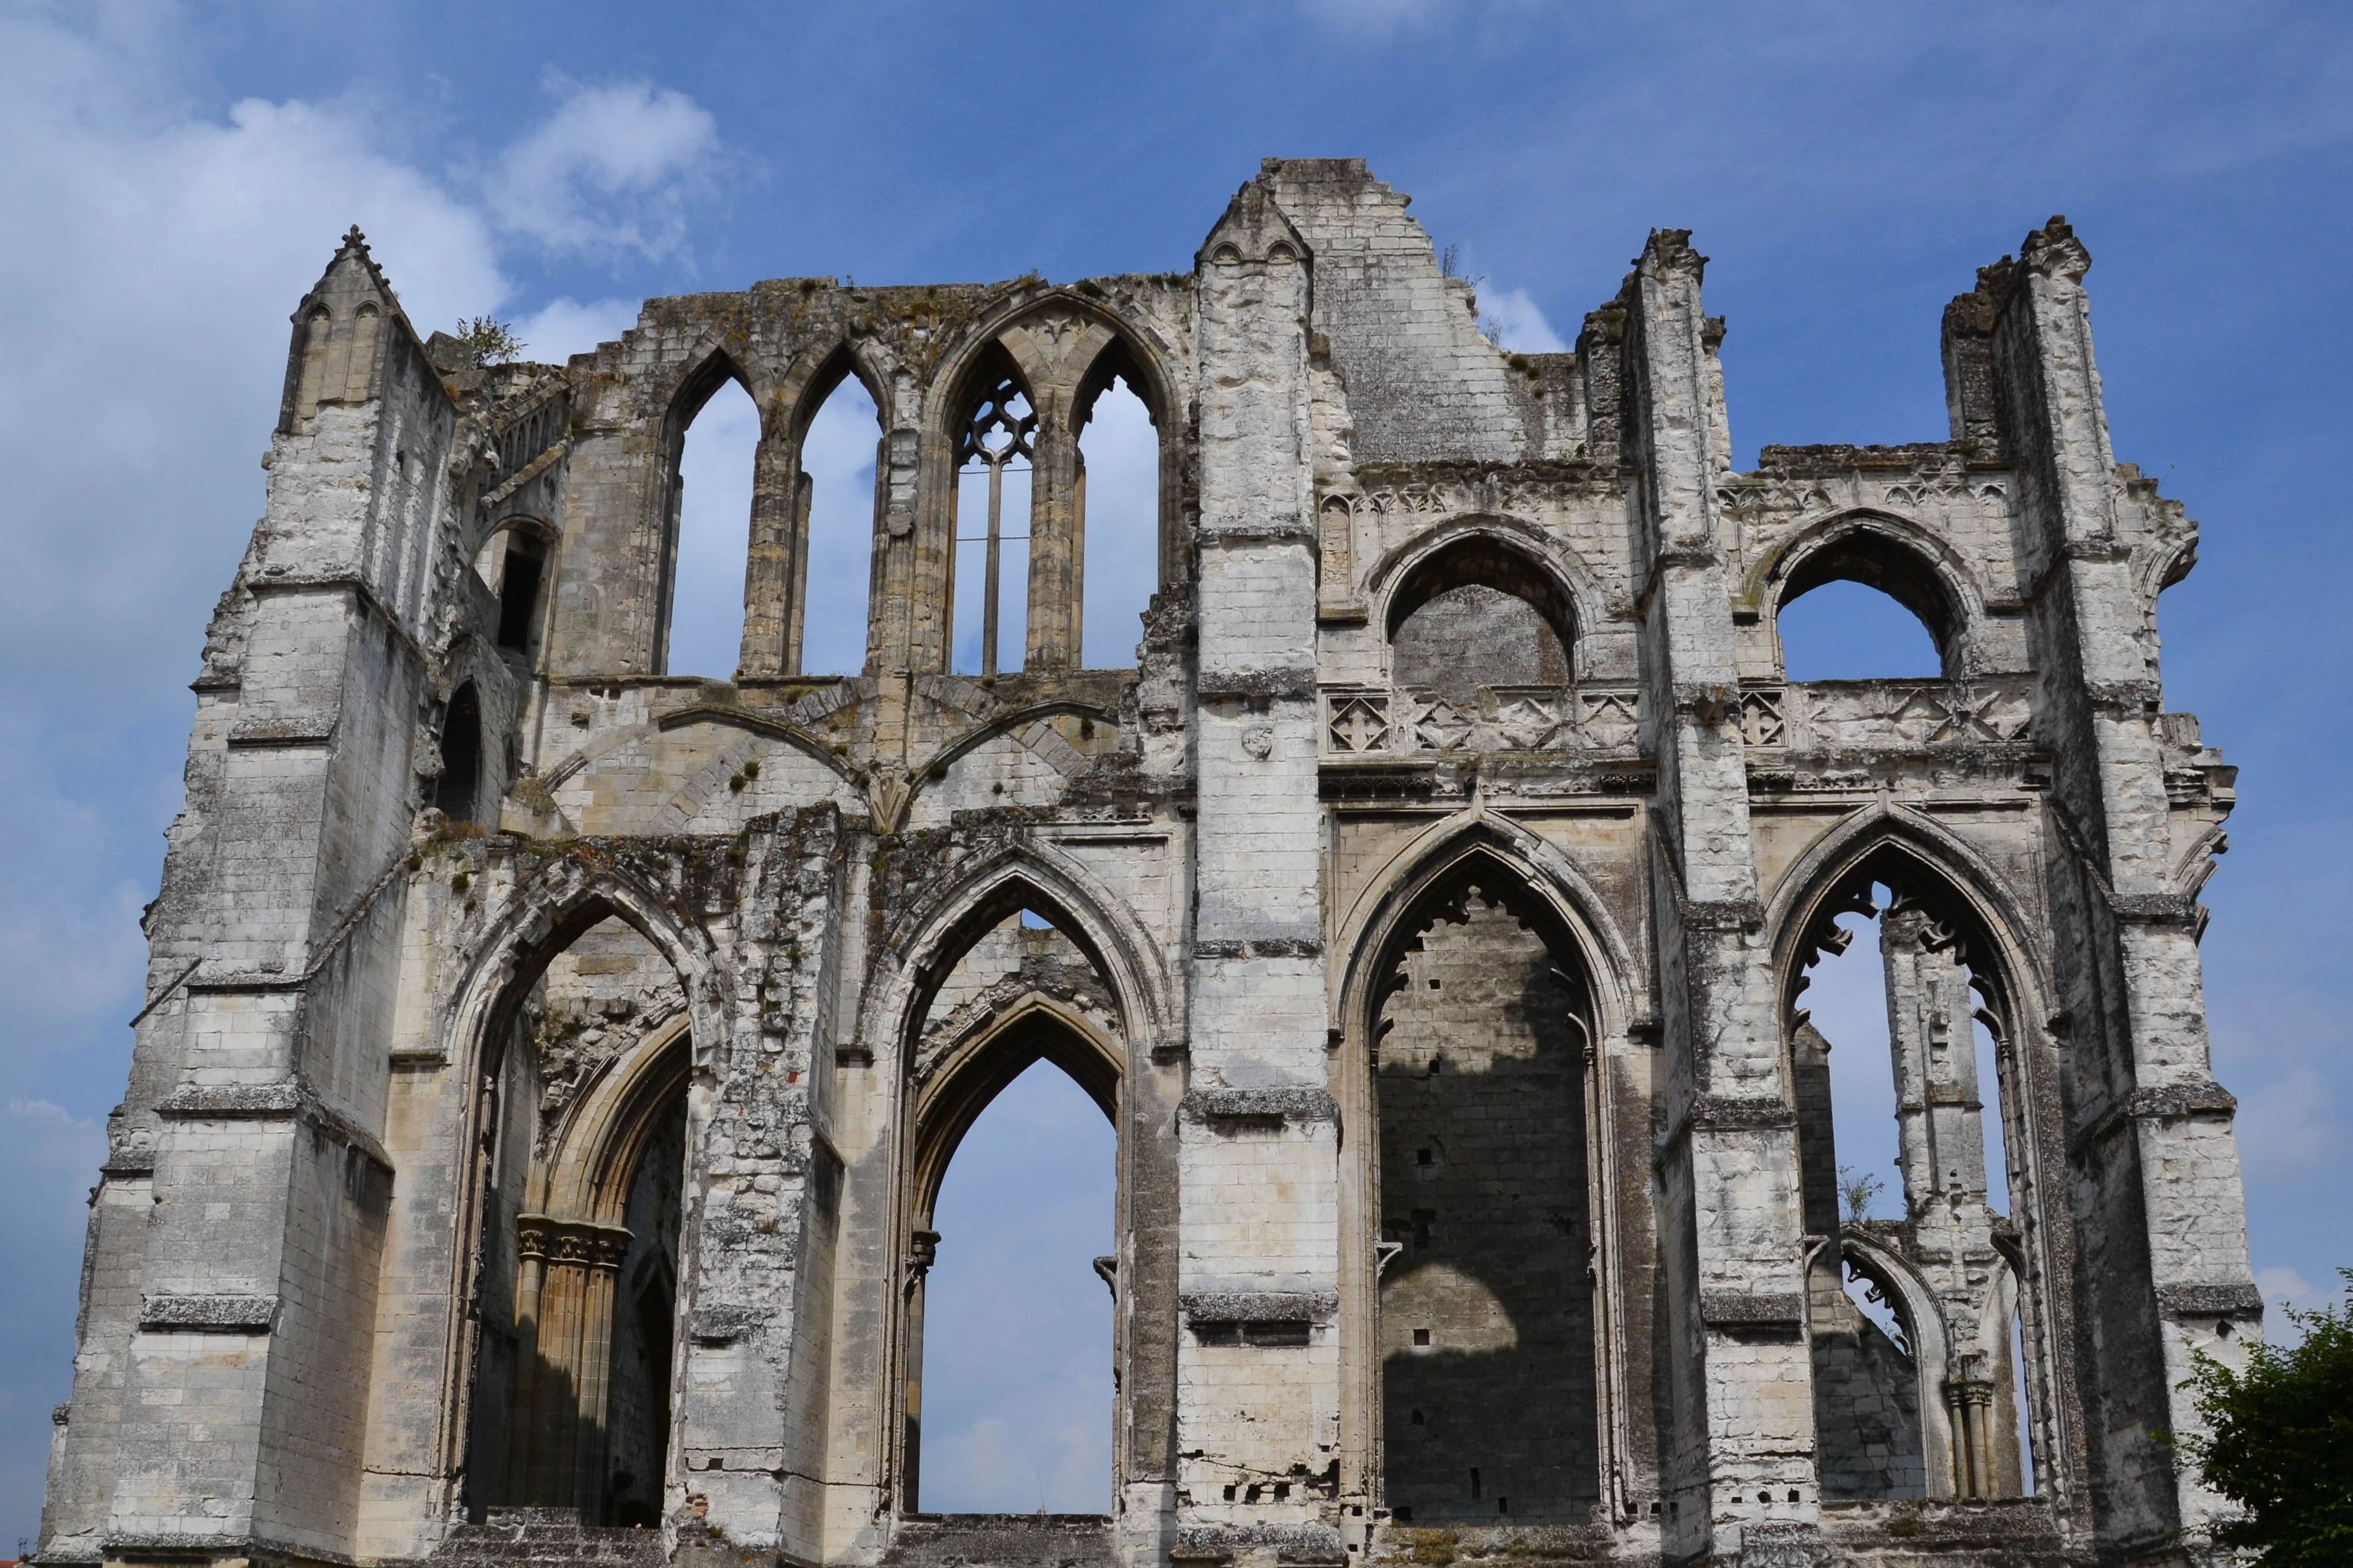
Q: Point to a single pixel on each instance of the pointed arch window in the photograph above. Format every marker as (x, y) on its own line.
(1010, 1340)
(716, 437)
(837, 512)
(1902, 1093)
(995, 455)
(1486, 1295)
(1116, 509)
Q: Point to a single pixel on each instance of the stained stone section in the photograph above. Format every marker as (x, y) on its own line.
(1474, 637)
(546, 1061)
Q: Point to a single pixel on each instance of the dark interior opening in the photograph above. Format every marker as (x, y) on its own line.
(1486, 1309)
(518, 596)
(460, 785)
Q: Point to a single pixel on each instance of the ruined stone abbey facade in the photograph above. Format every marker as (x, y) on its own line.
(549, 1064)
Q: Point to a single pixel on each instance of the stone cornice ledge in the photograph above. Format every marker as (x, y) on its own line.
(207, 1312)
(1752, 1308)
(1258, 947)
(287, 1100)
(157, 1543)
(2240, 1301)
(1289, 1103)
(1305, 1544)
(1260, 1306)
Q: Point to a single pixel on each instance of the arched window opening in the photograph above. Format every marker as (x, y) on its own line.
(995, 451)
(711, 532)
(837, 514)
(579, 1181)
(1477, 616)
(1009, 1328)
(1902, 1151)
(1486, 1289)
(1861, 608)
(318, 332)
(1016, 1353)
(1845, 631)
(645, 1312)
(513, 563)
(458, 792)
(1118, 508)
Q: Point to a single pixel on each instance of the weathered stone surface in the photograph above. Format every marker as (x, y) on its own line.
(549, 1065)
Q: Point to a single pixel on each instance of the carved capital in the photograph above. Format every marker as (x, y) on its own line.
(581, 1243)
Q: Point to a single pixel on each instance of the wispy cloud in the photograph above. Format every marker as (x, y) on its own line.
(1518, 322)
(155, 248)
(613, 168)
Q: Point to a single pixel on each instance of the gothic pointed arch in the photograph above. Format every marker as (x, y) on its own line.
(1513, 856)
(1478, 1235)
(980, 996)
(1056, 350)
(942, 922)
(1969, 1248)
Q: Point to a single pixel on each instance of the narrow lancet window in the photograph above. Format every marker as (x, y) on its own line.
(1117, 502)
(712, 509)
(995, 453)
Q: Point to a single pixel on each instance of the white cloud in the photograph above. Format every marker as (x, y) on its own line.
(1376, 21)
(2286, 1288)
(154, 248)
(612, 169)
(562, 328)
(1519, 322)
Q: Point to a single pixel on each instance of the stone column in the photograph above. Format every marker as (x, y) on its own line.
(1053, 637)
(564, 1320)
(776, 563)
(1257, 1356)
(2159, 1213)
(1940, 1124)
(1731, 1230)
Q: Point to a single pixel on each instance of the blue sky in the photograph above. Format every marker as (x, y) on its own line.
(174, 178)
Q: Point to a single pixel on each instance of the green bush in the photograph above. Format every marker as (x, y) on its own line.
(2280, 1443)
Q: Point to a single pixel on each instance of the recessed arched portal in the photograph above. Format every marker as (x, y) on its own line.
(1481, 1067)
(578, 1191)
(1899, 1047)
(1009, 1330)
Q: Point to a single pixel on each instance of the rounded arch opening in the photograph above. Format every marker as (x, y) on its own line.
(1480, 613)
(1480, 1036)
(1875, 606)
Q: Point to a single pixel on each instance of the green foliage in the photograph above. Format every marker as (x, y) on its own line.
(1856, 1189)
(488, 341)
(2279, 1443)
